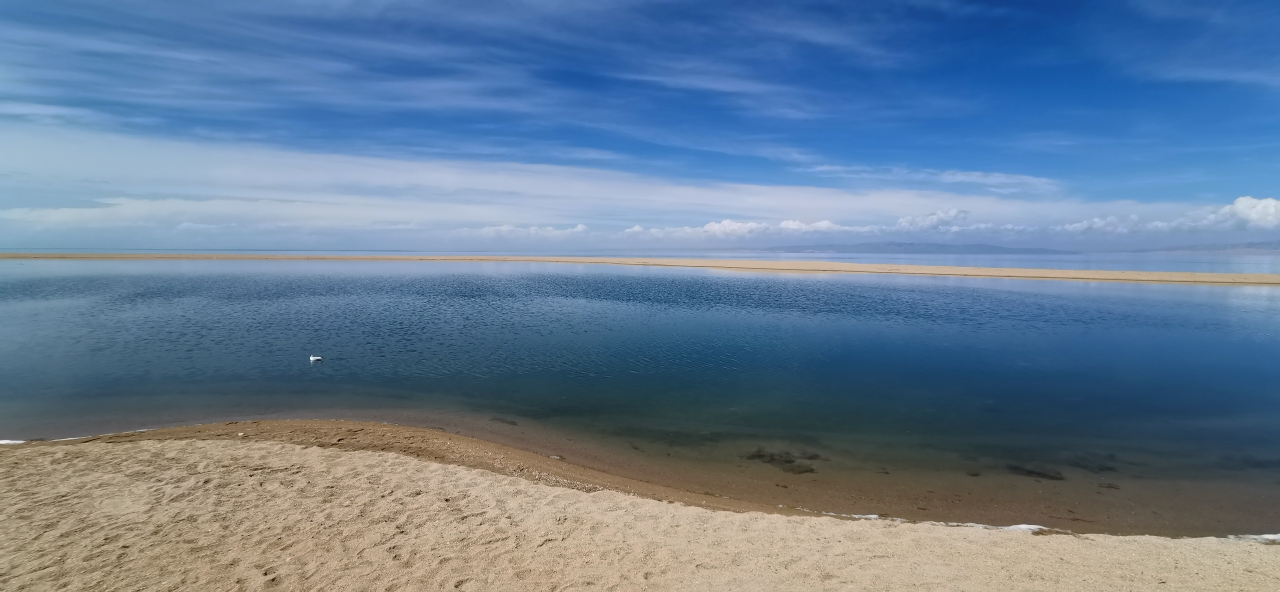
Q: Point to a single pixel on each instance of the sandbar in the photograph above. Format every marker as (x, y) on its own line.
(747, 265)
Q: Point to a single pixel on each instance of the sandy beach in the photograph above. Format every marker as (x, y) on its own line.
(1149, 277)
(212, 509)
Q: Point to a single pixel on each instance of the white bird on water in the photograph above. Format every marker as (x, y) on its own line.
(316, 358)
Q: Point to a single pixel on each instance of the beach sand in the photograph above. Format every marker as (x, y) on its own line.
(245, 512)
(1150, 277)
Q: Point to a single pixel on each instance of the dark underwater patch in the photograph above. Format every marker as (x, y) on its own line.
(787, 461)
(1035, 470)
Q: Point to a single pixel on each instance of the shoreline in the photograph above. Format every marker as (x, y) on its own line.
(430, 444)
(995, 501)
(127, 511)
(745, 265)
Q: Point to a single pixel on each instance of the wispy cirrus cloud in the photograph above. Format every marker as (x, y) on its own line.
(614, 65)
(1214, 41)
(170, 54)
(997, 182)
(754, 95)
(243, 71)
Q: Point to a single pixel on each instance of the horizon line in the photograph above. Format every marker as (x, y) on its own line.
(804, 266)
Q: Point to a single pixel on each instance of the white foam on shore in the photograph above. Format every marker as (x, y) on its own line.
(1032, 528)
(101, 435)
(1029, 528)
(1266, 539)
(850, 516)
(3, 442)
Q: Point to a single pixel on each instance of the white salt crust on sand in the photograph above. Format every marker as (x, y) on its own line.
(215, 515)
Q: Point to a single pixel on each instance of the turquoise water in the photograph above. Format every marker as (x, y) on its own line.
(1185, 378)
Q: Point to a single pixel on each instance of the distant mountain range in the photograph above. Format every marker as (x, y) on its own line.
(917, 249)
(1262, 246)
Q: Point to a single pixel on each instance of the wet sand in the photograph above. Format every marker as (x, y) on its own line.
(373, 506)
(749, 475)
(1151, 277)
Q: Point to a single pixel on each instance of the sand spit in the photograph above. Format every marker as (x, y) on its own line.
(1154, 277)
(240, 514)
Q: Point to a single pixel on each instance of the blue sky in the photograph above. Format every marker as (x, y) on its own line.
(632, 124)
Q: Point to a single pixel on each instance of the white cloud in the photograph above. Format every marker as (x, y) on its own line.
(734, 229)
(722, 229)
(1263, 213)
(507, 231)
(1243, 214)
(40, 111)
(937, 222)
(365, 214)
(1001, 182)
(1109, 225)
(932, 221)
(57, 178)
(822, 226)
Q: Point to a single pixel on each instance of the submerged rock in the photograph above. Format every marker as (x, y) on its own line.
(1038, 471)
(1094, 462)
(787, 461)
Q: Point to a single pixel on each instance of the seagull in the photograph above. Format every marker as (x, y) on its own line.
(316, 358)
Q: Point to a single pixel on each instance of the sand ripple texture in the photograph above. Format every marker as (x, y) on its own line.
(204, 515)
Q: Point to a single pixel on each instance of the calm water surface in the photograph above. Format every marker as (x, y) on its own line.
(1183, 379)
(1264, 262)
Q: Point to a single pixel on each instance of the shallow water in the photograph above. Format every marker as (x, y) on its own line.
(1179, 381)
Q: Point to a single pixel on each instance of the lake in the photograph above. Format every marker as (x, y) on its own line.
(793, 376)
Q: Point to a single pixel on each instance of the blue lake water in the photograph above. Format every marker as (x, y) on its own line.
(1186, 378)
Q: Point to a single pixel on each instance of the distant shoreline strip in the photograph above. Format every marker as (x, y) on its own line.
(1146, 277)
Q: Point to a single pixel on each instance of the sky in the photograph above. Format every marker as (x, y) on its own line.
(566, 125)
